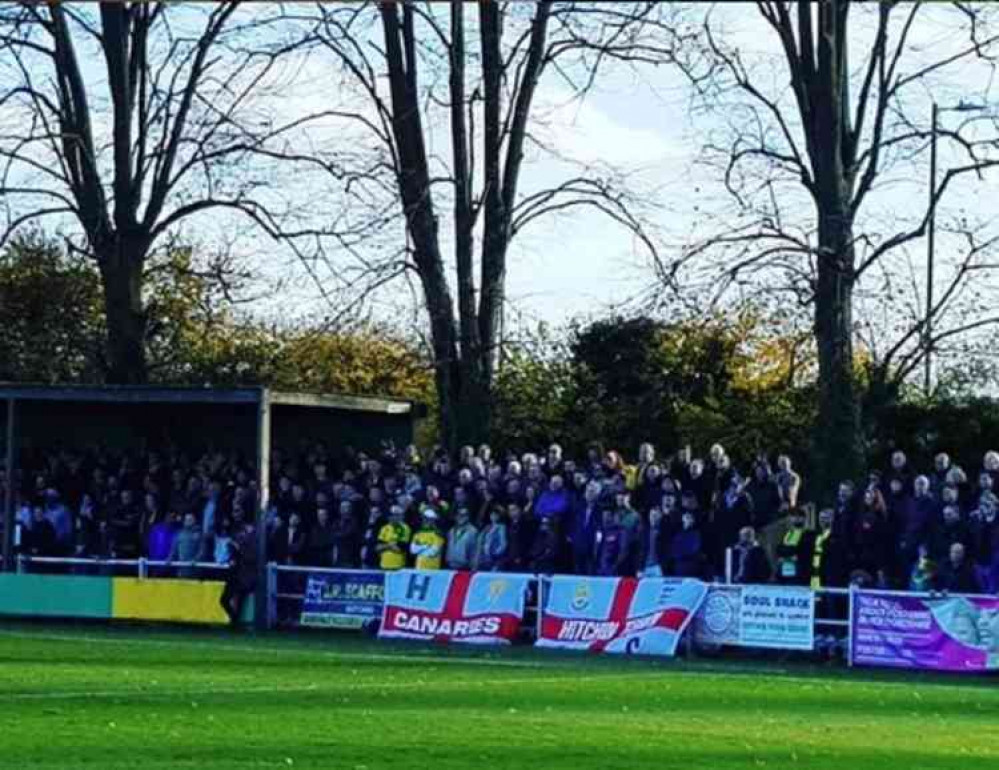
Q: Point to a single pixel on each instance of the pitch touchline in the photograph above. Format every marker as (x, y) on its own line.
(422, 658)
(345, 688)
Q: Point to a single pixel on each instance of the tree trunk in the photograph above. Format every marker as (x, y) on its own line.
(838, 449)
(121, 278)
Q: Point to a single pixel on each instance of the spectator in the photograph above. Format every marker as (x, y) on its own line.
(870, 538)
(321, 541)
(59, 517)
(188, 547)
(958, 575)
(241, 578)
(612, 546)
(686, 551)
(830, 565)
(520, 539)
(654, 549)
(393, 540)
(899, 469)
(123, 527)
(159, 542)
(296, 552)
(493, 543)
(733, 512)
(951, 530)
(40, 538)
(788, 483)
(370, 555)
(428, 543)
(941, 467)
(923, 576)
(462, 541)
(346, 538)
(917, 522)
(586, 519)
(554, 503)
(89, 531)
(794, 553)
(749, 560)
(985, 536)
(544, 550)
(764, 494)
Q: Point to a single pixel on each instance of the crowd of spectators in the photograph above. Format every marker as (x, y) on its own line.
(545, 513)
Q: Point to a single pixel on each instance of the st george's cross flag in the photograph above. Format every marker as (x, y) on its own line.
(447, 606)
(618, 615)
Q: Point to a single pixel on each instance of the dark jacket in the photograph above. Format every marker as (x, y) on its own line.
(870, 543)
(346, 544)
(832, 565)
(612, 550)
(766, 501)
(958, 580)
(40, 539)
(320, 546)
(750, 565)
(544, 551)
(520, 542)
(686, 555)
(583, 535)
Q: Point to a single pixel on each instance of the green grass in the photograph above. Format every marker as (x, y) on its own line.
(98, 697)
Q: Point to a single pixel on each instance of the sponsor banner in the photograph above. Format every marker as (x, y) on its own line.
(618, 615)
(447, 606)
(774, 617)
(178, 601)
(343, 599)
(951, 633)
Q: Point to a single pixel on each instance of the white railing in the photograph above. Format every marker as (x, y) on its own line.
(141, 566)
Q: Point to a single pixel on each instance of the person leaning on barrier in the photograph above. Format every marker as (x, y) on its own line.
(427, 545)
(188, 547)
(462, 541)
(794, 552)
(749, 560)
(491, 555)
(520, 539)
(830, 558)
(322, 538)
(957, 575)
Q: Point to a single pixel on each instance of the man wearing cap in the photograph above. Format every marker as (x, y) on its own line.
(428, 543)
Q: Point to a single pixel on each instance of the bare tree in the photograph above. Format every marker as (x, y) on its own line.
(809, 137)
(453, 120)
(127, 119)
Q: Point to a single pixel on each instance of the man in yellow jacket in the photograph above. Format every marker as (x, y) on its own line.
(428, 543)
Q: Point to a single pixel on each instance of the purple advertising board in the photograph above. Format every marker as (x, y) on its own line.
(946, 633)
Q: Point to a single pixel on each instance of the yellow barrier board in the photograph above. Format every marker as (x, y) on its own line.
(177, 601)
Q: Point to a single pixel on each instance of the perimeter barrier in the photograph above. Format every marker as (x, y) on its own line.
(608, 615)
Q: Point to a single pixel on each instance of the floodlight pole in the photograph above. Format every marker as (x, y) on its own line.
(8, 494)
(263, 495)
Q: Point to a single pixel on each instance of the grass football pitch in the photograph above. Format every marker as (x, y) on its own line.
(113, 697)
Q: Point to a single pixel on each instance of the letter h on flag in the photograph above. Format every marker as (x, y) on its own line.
(417, 587)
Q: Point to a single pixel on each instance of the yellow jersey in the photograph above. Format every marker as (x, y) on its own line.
(428, 544)
(399, 535)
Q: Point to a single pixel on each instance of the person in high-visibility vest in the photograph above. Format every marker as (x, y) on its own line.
(794, 552)
(829, 559)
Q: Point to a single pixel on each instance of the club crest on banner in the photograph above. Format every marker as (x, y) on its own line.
(581, 599)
